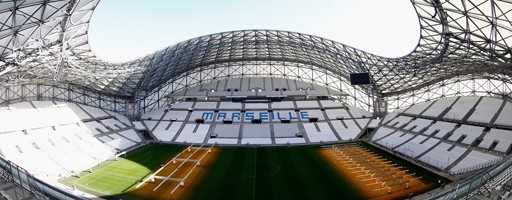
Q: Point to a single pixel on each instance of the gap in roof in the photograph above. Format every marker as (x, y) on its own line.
(123, 30)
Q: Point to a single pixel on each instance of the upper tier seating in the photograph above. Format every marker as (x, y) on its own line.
(154, 115)
(94, 112)
(450, 133)
(307, 104)
(178, 115)
(389, 117)
(232, 84)
(290, 140)
(205, 105)
(113, 124)
(182, 105)
(43, 104)
(358, 113)
(399, 121)
(130, 134)
(48, 152)
(319, 132)
(227, 130)
(503, 138)
(438, 107)
(256, 106)
(443, 128)
(382, 132)
(96, 128)
(230, 105)
(257, 86)
(418, 125)
(440, 157)
(395, 139)
(45, 136)
(470, 133)
(285, 130)
(163, 131)
(193, 133)
(331, 104)
(418, 108)
(363, 122)
(30, 118)
(316, 114)
(337, 114)
(257, 82)
(78, 111)
(346, 133)
(461, 108)
(417, 146)
(209, 86)
(256, 131)
(233, 122)
(121, 118)
(283, 105)
(150, 124)
(229, 141)
(21, 105)
(476, 160)
(256, 141)
(505, 115)
(277, 115)
(485, 110)
(119, 142)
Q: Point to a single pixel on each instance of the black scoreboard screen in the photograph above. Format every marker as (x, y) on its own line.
(360, 79)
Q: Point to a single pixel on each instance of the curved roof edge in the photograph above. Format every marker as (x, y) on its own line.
(47, 41)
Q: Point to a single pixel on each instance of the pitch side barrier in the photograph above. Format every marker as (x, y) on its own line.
(39, 189)
(470, 186)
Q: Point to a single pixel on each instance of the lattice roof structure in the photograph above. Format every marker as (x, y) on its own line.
(45, 41)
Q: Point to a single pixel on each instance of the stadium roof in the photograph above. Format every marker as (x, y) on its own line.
(46, 41)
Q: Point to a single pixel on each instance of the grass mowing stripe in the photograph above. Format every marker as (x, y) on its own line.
(255, 174)
(115, 177)
(308, 178)
(279, 180)
(213, 186)
(280, 173)
(270, 176)
(243, 170)
(239, 173)
(293, 175)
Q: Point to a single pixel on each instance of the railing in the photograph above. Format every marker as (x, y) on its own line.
(41, 189)
(475, 167)
(470, 186)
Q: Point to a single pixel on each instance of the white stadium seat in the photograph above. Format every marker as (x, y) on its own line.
(440, 157)
(439, 106)
(461, 108)
(322, 134)
(485, 110)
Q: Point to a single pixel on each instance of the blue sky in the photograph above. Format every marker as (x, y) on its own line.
(123, 30)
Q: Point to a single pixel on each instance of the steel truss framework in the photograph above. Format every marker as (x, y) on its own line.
(356, 96)
(65, 93)
(461, 42)
(463, 86)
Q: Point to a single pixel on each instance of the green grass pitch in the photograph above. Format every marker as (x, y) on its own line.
(117, 177)
(238, 173)
(273, 173)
